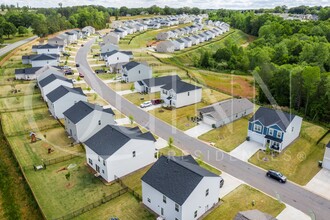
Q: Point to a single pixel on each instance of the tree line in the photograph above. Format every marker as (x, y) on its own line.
(291, 58)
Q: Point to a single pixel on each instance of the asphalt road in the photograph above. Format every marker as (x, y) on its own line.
(290, 193)
(12, 46)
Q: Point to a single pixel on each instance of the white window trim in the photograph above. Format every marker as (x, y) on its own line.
(271, 131)
(279, 134)
(255, 126)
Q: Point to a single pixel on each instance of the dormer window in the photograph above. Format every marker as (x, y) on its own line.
(279, 134)
(257, 128)
(271, 131)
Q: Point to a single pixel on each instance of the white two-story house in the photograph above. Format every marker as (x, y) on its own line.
(116, 56)
(51, 82)
(116, 151)
(84, 119)
(274, 128)
(178, 94)
(62, 98)
(47, 49)
(178, 188)
(135, 71)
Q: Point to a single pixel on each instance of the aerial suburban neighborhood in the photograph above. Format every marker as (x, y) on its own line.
(119, 111)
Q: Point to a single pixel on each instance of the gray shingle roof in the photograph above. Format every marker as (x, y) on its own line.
(227, 108)
(44, 57)
(176, 177)
(111, 138)
(51, 78)
(60, 91)
(269, 116)
(179, 40)
(180, 87)
(27, 71)
(46, 46)
(131, 65)
(129, 53)
(328, 145)
(158, 81)
(81, 109)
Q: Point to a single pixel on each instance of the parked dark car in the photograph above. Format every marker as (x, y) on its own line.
(99, 71)
(68, 72)
(156, 101)
(66, 54)
(77, 65)
(82, 45)
(276, 175)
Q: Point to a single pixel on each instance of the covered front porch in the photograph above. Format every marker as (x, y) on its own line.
(273, 143)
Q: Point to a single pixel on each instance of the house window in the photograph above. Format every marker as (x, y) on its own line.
(279, 134)
(257, 128)
(103, 162)
(177, 207)
(90, 161)
(97, 168)
(165, 92)
(102, 171)
(162, 211)
(99, 122)
(271, 131)
(149, 200)
(164, 199)
(292, 129)
(117, 58)
(195, 214)
(99, 158)
(207, 192)
(139, 71)
(188, 93)
(134, 153)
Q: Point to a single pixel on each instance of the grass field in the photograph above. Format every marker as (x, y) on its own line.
(17, 89)
(96, 99)
(21, 102)
(241, 199)
(137, 98)
(124, 207)
(227, 137)
(299, 161)
(59, 196)
(23, 122)
(120, 86)
(133, 180)
(178, 117)
(107, 76)
(34, 153)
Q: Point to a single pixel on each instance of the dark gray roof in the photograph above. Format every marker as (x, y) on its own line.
(180, 86)
(111, 138)
(131, 65)
(129, 53)
(158, 81)
(253, 215)
(60, 91)
(176, 177)
(269, 117)
(51, 78)
(46, 46)
(27, 71)
(81, 109)
(180, 40)
(41, 57)
(328, 145)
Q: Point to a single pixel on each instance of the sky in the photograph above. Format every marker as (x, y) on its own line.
(204, 4)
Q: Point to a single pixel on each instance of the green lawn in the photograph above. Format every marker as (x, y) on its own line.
(123, 207)
(137, 98)
(106, 76)
(241, 199)
(18, 89)
(121, 86)
(23, 122)
(227, 137)
(57, 196)
(21, 102)
(96, 99)
(298, 161)
(33, 153)
(178, 117)
(133, 180)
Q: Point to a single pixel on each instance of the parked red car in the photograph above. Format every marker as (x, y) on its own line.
(81, 75)
(156, 101)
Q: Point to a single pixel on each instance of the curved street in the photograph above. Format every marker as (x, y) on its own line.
(290, 193)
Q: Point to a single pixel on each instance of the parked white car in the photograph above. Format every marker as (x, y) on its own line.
(146, 104)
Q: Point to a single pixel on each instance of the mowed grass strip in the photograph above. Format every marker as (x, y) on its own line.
(21, 102)
(18, 89)
(298, 161)
(241, 199)
(137, 98)
(23, 122)
(229, 136)
(59, 196)
(124, 207)
(121, 86)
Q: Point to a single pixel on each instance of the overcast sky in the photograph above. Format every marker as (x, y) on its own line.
(210, 4)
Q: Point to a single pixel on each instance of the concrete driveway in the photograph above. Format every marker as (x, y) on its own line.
(290, 213)
(245, 150)
(126, 92)
(198, 130)
(152, 107)
(320, 184)
(229, 185)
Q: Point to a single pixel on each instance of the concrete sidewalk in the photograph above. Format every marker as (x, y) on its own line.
(320, 184)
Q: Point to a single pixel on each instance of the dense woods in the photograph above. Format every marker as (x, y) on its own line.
(292, 59)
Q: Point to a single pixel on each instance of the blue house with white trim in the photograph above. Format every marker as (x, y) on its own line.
(274, 128)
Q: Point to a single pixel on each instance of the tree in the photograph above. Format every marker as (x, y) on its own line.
(8, 29)
(170, 142)
(131, 119)
(39, 26)
(22, 30)
(311, 77)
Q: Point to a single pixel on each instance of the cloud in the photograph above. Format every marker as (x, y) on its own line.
(205, 4)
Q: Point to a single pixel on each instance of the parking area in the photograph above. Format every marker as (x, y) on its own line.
(320, 184)
(246, 150)
(198, 130)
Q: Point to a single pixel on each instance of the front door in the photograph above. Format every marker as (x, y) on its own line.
(162, 211)
(97, 168)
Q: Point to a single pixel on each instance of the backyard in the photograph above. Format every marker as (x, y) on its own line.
(234, 202)
(298, 161)
(137, 98)
(229, 136)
